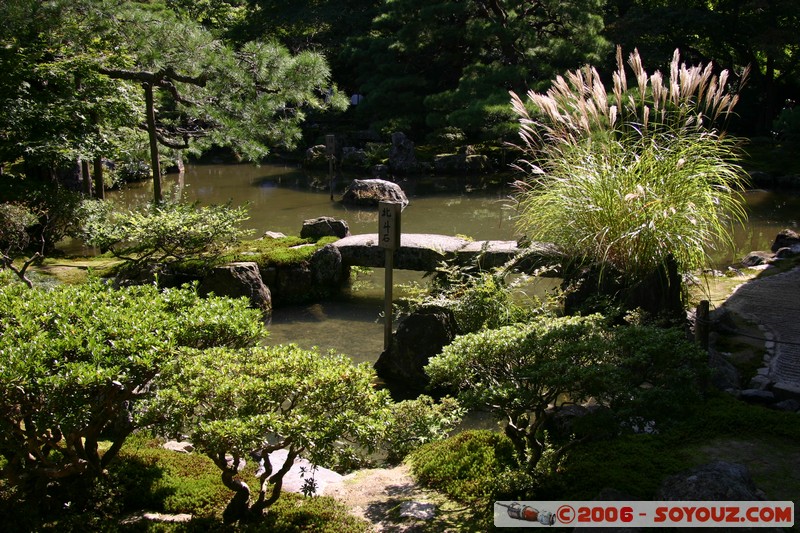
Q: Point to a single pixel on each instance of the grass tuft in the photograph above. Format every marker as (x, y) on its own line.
(627, 179)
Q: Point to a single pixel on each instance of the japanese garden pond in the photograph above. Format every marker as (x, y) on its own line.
(281, 197)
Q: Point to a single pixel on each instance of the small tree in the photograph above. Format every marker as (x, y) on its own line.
(238, 403)
(519, 371)
(15, 220)
(165, 233)
(74, 360)
(642, 374)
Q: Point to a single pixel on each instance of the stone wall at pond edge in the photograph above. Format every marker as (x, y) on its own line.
(322, 275)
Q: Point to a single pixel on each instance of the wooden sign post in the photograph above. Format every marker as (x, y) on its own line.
(389, 239)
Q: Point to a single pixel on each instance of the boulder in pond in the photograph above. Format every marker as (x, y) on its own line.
(236, 280)
(327, 268)
(785, 239)
(373, 191)
(316, 157)
(419, 336)
(316, 228)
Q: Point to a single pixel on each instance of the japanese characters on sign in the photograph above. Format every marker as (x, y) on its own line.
(389, 225)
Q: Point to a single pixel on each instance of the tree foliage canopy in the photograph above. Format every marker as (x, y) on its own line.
(55, 107)
(731, 33)
(75, 359)
(234, 403)
(643, 374)
(432, 64)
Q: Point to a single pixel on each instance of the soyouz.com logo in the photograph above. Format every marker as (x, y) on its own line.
(644, 514)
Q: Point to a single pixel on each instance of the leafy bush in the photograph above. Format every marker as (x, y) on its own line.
(627, 180)
(147, 476)
(171, 233)
(645, 375)
(134, 170)
(661, 376)
(466, 466)
(55, 208)
(322, 514)
(15, 219)
(478, 299)
(419, 421)
(234, 403)
(75, 359)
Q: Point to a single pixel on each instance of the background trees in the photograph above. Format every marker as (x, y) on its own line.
(199, 92)
(55, 108)
(422, 66)
(427, 65)
(73, 69)
(731, 33)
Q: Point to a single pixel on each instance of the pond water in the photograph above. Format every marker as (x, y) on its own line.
(281, 197)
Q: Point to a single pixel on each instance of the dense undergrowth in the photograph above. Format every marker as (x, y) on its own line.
(477, 467)
(149, 478)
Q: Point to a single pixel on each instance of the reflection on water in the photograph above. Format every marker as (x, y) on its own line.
(768, 213)
(280, 198)
(351, 326)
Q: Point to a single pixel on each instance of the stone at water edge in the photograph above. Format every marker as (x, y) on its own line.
(785, 239)
(316, 228)
(236, 280)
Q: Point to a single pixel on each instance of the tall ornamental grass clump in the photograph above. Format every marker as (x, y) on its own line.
(626, 179)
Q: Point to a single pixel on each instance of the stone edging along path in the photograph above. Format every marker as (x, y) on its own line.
(773, 302)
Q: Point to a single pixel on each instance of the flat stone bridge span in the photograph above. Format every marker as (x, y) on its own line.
(424, 252)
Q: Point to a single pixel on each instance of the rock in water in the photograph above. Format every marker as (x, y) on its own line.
(237, 280)
(373, 191)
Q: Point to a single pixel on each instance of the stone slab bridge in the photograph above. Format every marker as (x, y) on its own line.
(425, 252)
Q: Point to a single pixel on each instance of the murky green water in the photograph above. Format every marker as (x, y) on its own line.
(280, 198)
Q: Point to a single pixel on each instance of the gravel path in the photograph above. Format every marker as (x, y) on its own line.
(773, 302)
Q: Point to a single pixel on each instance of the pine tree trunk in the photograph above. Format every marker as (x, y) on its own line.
(86, 178)
(99, 185)
(151, 132)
